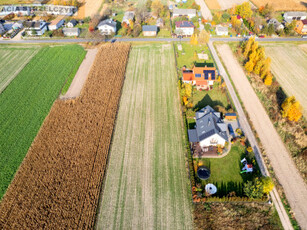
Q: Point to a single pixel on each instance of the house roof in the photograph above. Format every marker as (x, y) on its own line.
(70, 30)
(304, 22)
(34, 24)
(74, 22)
(56, 21)
(184, 11)
(294, 14)
(129, 15)
(150, 28)
(201, 82)
(108, 22)
(182, 24)
(187, 75)
(220, 28)
(209, 124)
(193, 135)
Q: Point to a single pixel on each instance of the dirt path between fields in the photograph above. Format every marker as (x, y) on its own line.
(81, 76)
(206, 13)
(284, 167)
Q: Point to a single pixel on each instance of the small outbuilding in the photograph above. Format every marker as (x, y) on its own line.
(149, 31)
(221, 30)
(230, 116)
(69, 32)
(72, 23)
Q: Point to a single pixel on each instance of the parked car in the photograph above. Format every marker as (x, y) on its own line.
(231, 132)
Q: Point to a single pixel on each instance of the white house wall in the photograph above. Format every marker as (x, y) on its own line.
(212, 140)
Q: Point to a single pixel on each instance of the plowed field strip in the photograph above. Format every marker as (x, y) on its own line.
(146, 186)
(59, 181)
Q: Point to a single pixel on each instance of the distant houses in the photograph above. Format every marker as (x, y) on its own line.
(72, 23)
(56, 23)
(128, 16)
(2, 30)
(184, 28)
(210, 129)
(149, 30)
(202, 75)
(221, 30)
(301, 27)
(107, 27)
(35, 27)
(277, 25)
(294, 15)
(71, 32)
(190, 13)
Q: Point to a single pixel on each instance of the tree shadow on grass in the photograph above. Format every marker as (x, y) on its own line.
(224, 188)
(281, 96)
(207, 101)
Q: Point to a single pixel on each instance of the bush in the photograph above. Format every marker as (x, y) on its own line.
(253, 189)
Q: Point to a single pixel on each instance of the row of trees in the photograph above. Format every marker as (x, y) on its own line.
(258, 187)
(256, 61)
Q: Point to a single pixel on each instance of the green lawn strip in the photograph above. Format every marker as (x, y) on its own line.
(71, 76)
(26, 102)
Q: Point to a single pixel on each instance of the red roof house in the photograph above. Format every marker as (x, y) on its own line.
(202, 75)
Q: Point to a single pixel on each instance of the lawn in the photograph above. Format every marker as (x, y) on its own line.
(147, 184)
(186, 56)
(12, 61)
(225, 172)
(25, 103)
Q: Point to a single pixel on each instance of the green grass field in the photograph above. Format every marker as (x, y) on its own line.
(147, 184)
(25, 103)
(12, 61)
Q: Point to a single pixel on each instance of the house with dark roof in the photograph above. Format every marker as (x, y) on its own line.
(277, 25)
(190, 13)
(210, 129)
(107, 27)
(149, 30)
(72, 23)
(184, 28)
(35, 27)
(202, 75)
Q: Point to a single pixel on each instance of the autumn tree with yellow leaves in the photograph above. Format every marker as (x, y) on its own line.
(194, 39)
(291, 109)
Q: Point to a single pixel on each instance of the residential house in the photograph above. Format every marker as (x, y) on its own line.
(190, 13)
(277, 24)
(35, 27)
(210, 129)
(202, 75)
(107, 27)
(184, 28)
(159, 22)
(129, 15)
(294, 15)
(301, 27)
(2, 29)
(221, 30)
(69, 32)
(72, 23)
(56, 23)
(149, 30)
(17, 25)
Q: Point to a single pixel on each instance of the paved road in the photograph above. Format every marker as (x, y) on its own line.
(249, 134)
(80, 40)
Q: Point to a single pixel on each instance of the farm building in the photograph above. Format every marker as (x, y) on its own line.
(276, 23)
(72, 23)
(2, 30)
(301, 27)
(202, 75)
(294, 15)
(210, 129)
(129, 15)
(190, 13)
(35, 27)
(56, 23)
(69, 32)
(159, 22)
(221, 30)
(149, 30)
(230, 116)
(107, 27)
(184, 28)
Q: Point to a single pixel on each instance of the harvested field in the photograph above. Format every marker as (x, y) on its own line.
(147, 185)
(213, 4)
(12, 61)
(58, 184)
(26, 102)
(227, 4)
(280, 5)
(290, 69)
(89, 8)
